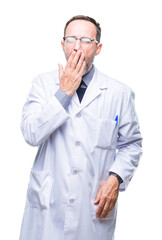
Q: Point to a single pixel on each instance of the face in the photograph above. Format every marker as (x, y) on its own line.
(82, 28)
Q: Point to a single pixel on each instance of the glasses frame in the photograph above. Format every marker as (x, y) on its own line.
(91, 39)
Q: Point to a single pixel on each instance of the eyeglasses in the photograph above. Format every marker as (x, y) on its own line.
(83, 40)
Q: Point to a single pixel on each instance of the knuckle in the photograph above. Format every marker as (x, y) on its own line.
(104, 197)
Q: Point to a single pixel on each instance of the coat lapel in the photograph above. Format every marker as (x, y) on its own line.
(94, 89)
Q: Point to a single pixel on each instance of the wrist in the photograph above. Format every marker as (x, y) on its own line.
(113, 182)
(68, 92)
(117, 176)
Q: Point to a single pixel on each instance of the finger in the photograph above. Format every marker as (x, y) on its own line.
(97, 199)
(80, 62)
(109, 206)
(70, 59)
(82, 68)
(100, 207)
(60, 71)
(75, 60)
(105, 211)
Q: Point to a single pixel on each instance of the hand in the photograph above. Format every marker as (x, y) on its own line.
(107, 196)
(70, 78)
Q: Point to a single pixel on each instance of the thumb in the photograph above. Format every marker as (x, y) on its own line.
(97, 199)
(60, 71)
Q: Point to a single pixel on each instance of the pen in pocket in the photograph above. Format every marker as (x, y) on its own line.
(116, 120)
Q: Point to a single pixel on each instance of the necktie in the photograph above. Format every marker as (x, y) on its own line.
(81, 90)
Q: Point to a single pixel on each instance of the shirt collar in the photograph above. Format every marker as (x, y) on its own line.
(88, 77)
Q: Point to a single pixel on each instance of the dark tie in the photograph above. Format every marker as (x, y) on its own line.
(81, 90)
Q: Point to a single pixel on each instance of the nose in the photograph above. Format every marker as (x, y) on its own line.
(77, 45)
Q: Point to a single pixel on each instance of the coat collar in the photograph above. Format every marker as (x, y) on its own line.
(94, 89)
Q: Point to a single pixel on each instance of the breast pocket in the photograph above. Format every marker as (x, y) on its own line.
(106, 134)
(39, 189)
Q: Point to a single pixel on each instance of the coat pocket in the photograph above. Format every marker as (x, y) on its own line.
(111, 215)
(39, 189)
(106, 134)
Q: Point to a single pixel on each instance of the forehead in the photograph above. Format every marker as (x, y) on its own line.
(81, 28)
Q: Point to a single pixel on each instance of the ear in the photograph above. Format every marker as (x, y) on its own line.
(98, 50)
(62, 44)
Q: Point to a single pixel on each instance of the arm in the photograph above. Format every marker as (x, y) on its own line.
(129, 144)
(40, 118)
(129, 151)
(63, 98)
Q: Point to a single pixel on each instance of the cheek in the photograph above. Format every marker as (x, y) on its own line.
(88, 55)
(68, 51)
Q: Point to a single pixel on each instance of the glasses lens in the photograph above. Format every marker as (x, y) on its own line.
(85, 40)
(70, 39)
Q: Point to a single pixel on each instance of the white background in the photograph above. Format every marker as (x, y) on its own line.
(31, 32)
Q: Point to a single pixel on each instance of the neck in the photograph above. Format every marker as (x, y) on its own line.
(89, 70)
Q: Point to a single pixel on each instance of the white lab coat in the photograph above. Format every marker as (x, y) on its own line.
(77, 149)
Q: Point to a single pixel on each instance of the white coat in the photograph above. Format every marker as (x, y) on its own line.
(77, 149)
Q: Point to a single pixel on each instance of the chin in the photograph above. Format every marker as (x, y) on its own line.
(87, 69)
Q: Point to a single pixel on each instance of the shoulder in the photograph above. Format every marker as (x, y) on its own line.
(47, 76)
(47, 81)
(113, 85)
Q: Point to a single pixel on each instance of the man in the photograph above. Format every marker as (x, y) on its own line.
(89, 144)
